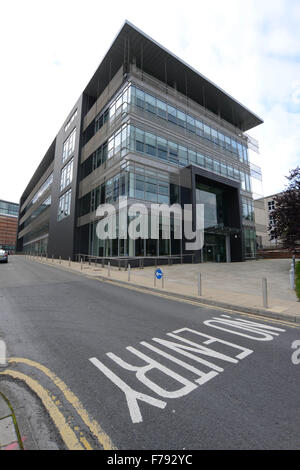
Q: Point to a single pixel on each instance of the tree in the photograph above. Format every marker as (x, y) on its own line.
(286, 214)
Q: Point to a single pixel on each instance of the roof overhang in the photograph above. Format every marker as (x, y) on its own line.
(132, 45)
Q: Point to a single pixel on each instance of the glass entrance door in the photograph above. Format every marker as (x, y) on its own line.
(214, 250)
(210, 253)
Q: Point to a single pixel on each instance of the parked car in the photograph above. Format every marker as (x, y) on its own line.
(3, 256)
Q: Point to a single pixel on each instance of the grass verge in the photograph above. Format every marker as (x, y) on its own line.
(297, 280)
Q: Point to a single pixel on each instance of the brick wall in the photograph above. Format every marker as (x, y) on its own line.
(8, 230)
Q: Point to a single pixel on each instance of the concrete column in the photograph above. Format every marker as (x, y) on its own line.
(228, 251)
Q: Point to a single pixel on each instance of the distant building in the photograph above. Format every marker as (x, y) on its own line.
(263, 210)
(9, 212)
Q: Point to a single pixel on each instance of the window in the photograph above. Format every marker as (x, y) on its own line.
(161, 109)
(181, 119)
(41, 191)
(69, 145)
(271, 205)
(139, 140)
(162, 148)
(140, 98)
(223, 169)
(70, 120)
(173, 152)
(208, 163)
(190, 124)
(110, 148)
(182, 152)
(150, 144)
(64, 205)
(66, 175)
(172, 114)
(150, 103)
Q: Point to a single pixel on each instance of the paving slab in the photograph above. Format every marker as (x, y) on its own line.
(236, 284)
(8, 433)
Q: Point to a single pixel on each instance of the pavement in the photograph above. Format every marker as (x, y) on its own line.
(231, 285)
(10, 438)
(72, 345)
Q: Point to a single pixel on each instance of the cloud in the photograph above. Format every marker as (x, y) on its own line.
(52, 48)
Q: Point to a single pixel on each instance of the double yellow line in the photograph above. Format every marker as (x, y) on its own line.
(69, 437)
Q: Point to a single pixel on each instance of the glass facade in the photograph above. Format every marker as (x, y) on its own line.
(9, 208)
(155, 106)
(41, 191)
(138, 140)
(38, 211)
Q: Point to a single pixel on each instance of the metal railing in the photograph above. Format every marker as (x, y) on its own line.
(135, 261)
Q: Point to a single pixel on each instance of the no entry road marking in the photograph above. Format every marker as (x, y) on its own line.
(195, 349)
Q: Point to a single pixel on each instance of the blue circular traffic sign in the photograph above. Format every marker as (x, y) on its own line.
(158, 273)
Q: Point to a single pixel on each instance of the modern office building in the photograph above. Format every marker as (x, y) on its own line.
(9, 212)
(263, 208)
(149, 127)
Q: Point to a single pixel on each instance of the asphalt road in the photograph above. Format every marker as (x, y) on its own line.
(247, 394)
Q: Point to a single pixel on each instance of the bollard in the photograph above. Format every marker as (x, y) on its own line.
(69, 261)
(52, 258)
(128, 272)
(108, 269)
(60, 260)
(292, 278)
(265, 292)
(163, 282)
(81, 264)
(154, 279)
(199, 285)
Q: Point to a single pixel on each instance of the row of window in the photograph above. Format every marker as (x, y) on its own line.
(66, 175)
(154, 146)
(70, 120)
(116, 143)
(138, 140)
(9, 208)
(41, 190)
(37, 233)
(69, 146)
(150, 247)
(148, 102)
(193, 125)
(38, 211)
(118, 105)
(135, 182)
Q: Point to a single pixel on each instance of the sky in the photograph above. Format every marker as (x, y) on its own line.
(50, 49)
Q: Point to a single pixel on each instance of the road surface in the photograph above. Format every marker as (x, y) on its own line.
(131, 370)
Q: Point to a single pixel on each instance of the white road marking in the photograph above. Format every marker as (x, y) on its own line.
(205, 377)
(184, 347)
(246, 325)
(132, 396)
(151, 364)
(211, 339)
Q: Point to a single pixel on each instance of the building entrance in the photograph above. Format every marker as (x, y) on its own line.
(214, 249)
